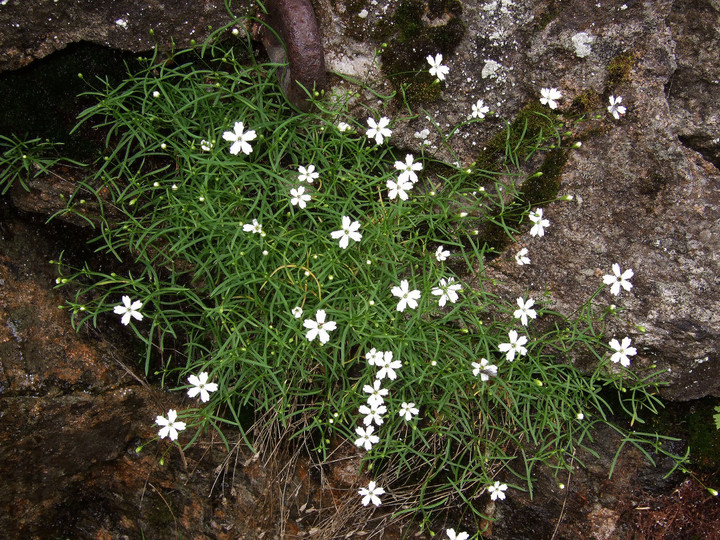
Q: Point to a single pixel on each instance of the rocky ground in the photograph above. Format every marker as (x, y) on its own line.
(75, 407)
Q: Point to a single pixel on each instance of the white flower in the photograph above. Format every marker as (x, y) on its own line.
(441, 254)
(622, 351)
(156, 94)
(387, 366)
(348, 232)
(372, 413)
(367, 439)
(452, 535)
(299, 197)
(319, 327)
(408, 169)
(129, 309)
(376, 393)
(479, 110)
(580, 416)
(436, 67)
(497, 491)
(615, 108)
(170, 426)
(408, 411)
(206, 146)
(620, 279)
(399, 188)
(550, 97)
(308, 175)
(485, 369)
(515, 346)
(363, 14)
(239, 139)
(254, 227)
(297, 312)
(343, 127)
(371, 493)
(521, 257)
(447, 290)
(201, 386)
(373, 356)
(525, 310)
(407, 297)
(538, 229)
(422, 134)
(378, 130)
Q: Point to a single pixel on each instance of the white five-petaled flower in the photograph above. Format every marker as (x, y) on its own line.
(514, 346)
(319, 328)
(524, 311)
(343, 127)
(436, 67)
(539, 224)
(408, 411)
(521, 257)
(254, 227)
(206, 146)
(447, 290)
(441, 254)
(201, 386)
(408, 169)
(239, 138)
(129, 309)
(367, 439)
(378, 130)
(407, 297)
(479, 109)
(615, 108)
(620, 279)
(373, 356)
(372, 413)
(497, 491)
(387, 366)
(452, 535)
(371, 493)
(550, 97)
(399, 188)
(485, 369)
(299, 197)
(622, 351)
(297, 312)
(349, 231)
(376, 392)
(308, 175)
(170, 426)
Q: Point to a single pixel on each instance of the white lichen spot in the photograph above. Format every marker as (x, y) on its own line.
(581, 42)
(490, 69)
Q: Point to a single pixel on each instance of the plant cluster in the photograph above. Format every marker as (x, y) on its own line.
(300, 267)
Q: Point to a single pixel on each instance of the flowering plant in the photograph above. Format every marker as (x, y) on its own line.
(366, 317)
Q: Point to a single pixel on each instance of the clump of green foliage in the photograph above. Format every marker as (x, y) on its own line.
(22, 161)
(219, 298)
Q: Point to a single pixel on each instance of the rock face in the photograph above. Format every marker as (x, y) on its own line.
(646, 186)
(37, 28)
(646, 191)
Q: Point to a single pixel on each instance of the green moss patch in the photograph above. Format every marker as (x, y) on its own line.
(411, 35)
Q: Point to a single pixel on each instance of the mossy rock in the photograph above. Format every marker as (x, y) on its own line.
(410, 39)
(619, 69)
